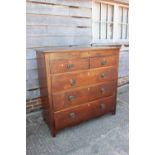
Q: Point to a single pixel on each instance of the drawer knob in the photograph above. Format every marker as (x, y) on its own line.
(70, 66)
(71, 98)
(103, 75)
(104, 62)
(73, 82)
(103, 90)
(72, 115)
(102, 106)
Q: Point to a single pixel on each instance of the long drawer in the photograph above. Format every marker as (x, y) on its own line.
(83, 112)
(66, 81)
(79, 96)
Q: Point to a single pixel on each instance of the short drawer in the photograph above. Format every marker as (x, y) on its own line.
(103, 74)
(79, 96)
(61, 66)
(96, 62)
(70, 98)
(83, 112)
(102, 90)
(72, 80)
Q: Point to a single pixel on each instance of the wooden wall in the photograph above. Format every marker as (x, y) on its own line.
(124, 63)
(54, 23)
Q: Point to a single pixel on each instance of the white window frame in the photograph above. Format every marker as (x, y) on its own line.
(115, 39)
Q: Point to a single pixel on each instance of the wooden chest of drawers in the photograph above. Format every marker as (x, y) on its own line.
(77, 84)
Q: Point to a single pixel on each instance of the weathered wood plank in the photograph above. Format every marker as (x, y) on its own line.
(32, 94)
(31, 64)
(124, 64)
(77, 3)
(34, 42)
(30, 54)
(57, 31)
(31, 74)
(35, 8)
(32, 84)
(33, 19)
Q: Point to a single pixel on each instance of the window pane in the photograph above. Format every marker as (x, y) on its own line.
(125, 15)
(124, 31)
(103, 30)
(127, 31)
(109, 31)
(103, 12)
(96, 30)
(120, 11)
(122, 23)
(119, 31)
(110, 13)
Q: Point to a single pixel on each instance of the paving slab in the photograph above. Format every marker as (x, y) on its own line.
(106, 135)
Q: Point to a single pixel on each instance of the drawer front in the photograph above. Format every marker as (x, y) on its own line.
(101, 106)
(61, 66)
(83, 112)
(103, 74)
(79, 96)
(71, 80)
(70, 98)
(102, 90)
(103, 61)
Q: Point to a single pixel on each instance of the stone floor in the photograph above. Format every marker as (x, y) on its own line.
(106, 135)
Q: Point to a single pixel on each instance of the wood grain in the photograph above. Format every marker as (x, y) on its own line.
(51, 30)
(45, 41)
(35, 19)
(71, 3)
(36, 8)
(68, 55)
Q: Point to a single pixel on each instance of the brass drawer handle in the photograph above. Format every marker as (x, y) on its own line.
(72, 115)
(104, 62)
(102, 106)
(71, 98)
(103, 75)
(70, 66)
(73, 82)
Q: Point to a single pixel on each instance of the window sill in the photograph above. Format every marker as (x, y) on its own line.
(123, 44)
(111, 42)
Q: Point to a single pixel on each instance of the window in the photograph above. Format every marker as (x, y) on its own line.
(110, 22)
(122, 23)
(103, 21)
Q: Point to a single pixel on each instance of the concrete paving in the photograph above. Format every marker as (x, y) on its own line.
(106, 135)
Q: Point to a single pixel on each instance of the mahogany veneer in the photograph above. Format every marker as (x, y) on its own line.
(77, 84)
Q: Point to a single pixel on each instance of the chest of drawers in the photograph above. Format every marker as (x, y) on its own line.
(77, 84)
